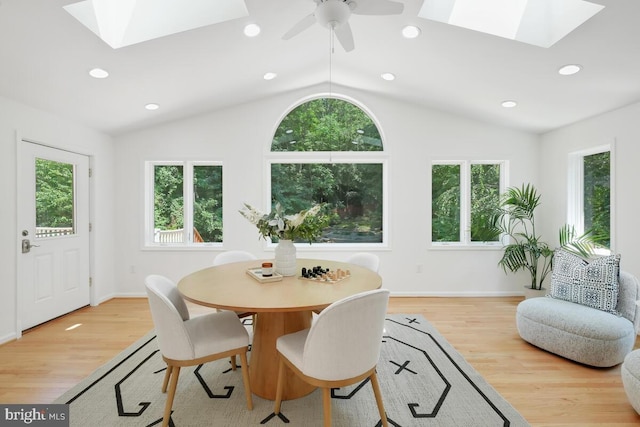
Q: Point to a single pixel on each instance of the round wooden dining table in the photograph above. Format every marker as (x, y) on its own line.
(281, 307)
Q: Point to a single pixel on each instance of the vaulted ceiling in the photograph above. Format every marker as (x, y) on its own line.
(45, 56)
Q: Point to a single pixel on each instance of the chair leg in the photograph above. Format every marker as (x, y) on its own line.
(326, 405)
(279, 387)
(233, 362)
(245, 379)
(175, 373)
(167, 375)
(376, 391)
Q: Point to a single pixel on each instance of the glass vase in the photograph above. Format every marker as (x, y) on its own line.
(286, 258)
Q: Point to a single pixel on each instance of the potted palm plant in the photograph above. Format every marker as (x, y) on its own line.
(524, 248)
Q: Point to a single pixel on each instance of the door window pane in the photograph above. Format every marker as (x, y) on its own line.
(54, 198)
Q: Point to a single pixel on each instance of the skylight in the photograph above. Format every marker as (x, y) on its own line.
(537, 22)
(125, 22)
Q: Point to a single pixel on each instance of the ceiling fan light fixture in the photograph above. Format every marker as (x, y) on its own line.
(411, 32)
(332, 13)
(569, 69)
(251, 30)
(388, 76)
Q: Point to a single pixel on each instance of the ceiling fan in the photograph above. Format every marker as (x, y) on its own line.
(334, 14)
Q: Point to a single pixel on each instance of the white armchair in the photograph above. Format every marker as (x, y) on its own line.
(342, 347)
(186, 341)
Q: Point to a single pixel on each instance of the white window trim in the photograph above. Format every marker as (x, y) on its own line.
(575, 190)
(187, 189)
(465, 203)
(347, 157)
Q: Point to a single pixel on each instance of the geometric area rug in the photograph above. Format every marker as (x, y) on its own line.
(423, 379)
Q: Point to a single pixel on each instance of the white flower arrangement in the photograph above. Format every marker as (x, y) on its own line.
(306, 224)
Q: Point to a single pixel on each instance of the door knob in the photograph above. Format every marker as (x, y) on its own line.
(26, 246)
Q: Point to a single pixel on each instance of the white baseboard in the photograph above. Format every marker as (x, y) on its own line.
(463, 294)
(8, 338)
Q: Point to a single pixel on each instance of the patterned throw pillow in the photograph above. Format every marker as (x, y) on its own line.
(594, 284)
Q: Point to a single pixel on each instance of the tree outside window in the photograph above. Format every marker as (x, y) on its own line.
(589, 197)
(463, 196)
(186, 214)
(597, 195)
(329, 151)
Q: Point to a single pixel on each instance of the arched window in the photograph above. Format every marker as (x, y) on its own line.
(328, 150)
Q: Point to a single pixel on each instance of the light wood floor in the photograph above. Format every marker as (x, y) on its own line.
(546, 389)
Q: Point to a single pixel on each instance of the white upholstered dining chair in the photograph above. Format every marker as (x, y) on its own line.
(233, 256)
(366, 260)
(228, 257)
(341, 347)
(186, 341)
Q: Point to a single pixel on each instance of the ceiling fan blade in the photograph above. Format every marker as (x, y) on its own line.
(377, 7)
(302, 25)
(345, 36)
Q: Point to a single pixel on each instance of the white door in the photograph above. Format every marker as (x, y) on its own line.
(53, 233)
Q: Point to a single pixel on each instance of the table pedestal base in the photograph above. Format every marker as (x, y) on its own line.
(263, 364)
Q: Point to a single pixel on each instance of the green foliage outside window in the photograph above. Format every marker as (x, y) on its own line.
(597, 196)
(351, 193)
(485, 197)
(207, 200)
(446, 214)
(54, 194)
(168, 211)
(445, 203)
(327, 124)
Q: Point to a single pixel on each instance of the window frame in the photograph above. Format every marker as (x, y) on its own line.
(187, 191)
(320, 157)
(575, 191)
(465, 203)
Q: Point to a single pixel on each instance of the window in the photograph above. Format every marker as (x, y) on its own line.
(329, 151)
(463, 196)
(590, 187)
(184, 203)
(55, 209)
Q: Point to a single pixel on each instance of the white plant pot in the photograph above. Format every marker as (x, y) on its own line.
(286, 258)
(534, 293)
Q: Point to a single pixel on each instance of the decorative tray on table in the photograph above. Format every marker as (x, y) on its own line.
(256, 273)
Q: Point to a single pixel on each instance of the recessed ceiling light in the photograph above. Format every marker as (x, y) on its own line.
(569, 69)
(152, 106)
(410, 32)
(98, 73)
(509, 104)
(388, 76)
(270, 76)
(251, 30)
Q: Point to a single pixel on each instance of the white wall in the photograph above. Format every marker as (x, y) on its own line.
(39, 126)
(241, 135)
(622, 128)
